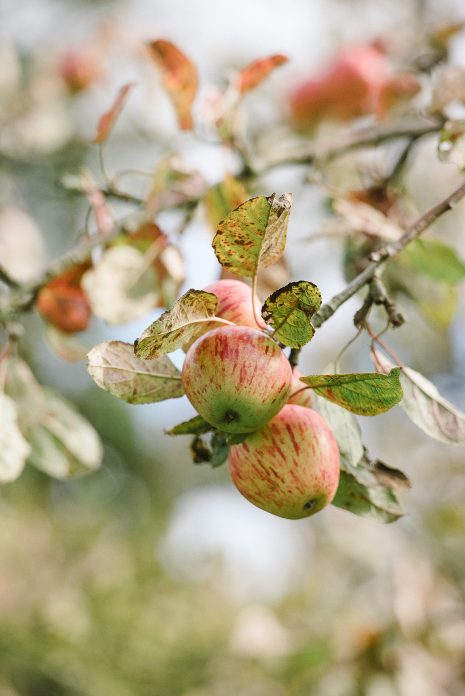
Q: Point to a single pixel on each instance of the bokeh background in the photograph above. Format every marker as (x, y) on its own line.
(153, 577)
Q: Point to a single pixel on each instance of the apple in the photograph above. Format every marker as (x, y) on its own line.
(237, 378)
(80, 67)
(348, 89)
(234, 304)
(290, 467)
(63, 303)
(299, 394)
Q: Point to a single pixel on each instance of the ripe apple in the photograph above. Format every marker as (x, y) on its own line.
(63, 303)
(348, 89)
(237, 378)
(234, 304)
(290, 467)
(298, 394)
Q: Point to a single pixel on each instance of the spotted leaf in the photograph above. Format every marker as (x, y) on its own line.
(178, 325)
(253, 235)
(289, 311)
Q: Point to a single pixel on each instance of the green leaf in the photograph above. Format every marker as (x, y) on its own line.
(366, 394)
(178, 325)
(114, 367)
(434, 259)
(366, 487)
(427, 408)
(212, 449)
(436, 301)
(222, 198)
(367, 499)
(14, 449)
(253, 235)
(289, 311)
(194, 426)
(345, 428)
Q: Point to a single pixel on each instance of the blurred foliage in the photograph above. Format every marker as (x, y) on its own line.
(90, 607)
(87, 608)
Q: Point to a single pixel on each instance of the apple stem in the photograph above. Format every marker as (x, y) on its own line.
(298, 392)
(254, 309)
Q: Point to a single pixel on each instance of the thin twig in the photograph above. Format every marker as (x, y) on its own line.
(367, 136)
(8, 280)
(378, 258)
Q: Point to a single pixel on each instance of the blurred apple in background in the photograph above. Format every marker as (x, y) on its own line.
(63, 303)
(80, 67)
(359, 81)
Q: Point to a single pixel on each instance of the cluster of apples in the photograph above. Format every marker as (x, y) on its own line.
(286, 459)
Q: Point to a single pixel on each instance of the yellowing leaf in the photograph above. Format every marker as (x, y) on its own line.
(163, 257)
(65, 345)
(289, 311)
(174, 183)
(22, 251)
(179, 78)
(253, 235)
(222, 198)
(364, 393)
(366, 488)
(63, 443)
(360, 493)
(178, 325)
(346, 430)
(114, 367)
(364, 218)
(108, 119)
(448, 86)
(426, 407)
(121, 287)
(14, 449)
(257, 71)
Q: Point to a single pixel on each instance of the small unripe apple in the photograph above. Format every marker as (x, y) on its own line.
(299, 394)
(237, 378)
(234, 304)
(290, 467)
